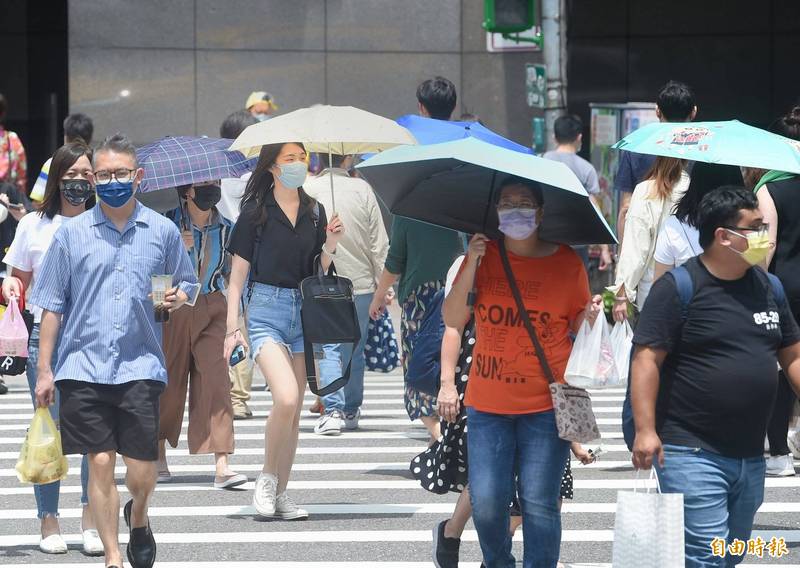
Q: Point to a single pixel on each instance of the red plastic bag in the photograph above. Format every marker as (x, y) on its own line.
(13, 332)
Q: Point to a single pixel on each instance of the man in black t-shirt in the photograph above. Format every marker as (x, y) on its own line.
(704, 380)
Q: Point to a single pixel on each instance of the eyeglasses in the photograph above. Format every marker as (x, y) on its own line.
(505, 205)
(122, 175)
(736, 230)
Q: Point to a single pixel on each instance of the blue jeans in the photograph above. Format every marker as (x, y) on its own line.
(47, 495)
(349, 398)
(720, 499)
(527, 446)
(273, 314)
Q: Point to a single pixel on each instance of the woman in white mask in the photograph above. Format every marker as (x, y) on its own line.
(512, 428)
(279, 233)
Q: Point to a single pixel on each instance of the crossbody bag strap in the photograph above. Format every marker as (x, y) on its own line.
(523, 313)
(311, 373)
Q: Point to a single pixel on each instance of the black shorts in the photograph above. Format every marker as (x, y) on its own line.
(100, 418)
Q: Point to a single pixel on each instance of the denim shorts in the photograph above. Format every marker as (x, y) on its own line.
(273, 314)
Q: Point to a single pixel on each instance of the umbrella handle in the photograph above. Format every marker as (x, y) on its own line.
(330, 173)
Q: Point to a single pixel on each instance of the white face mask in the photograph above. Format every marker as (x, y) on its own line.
(261, 117)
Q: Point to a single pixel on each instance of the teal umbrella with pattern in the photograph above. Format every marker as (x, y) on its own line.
(729, 142)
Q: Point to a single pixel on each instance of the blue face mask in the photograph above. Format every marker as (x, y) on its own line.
(114, 193)
(293, 175)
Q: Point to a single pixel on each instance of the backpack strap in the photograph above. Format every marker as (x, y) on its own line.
(251, 282)
(685, 286)
(777, 289)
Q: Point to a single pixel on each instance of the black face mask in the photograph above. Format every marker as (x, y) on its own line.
(76, 191)
(206, 196)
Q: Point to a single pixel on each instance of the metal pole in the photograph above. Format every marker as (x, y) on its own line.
(554, 51)
(330, 173)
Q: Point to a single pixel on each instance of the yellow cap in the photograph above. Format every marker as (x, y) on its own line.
(260, 96)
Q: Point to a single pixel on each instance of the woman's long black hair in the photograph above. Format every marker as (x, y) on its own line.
(64, 158)
(705, 178)
(262, 183)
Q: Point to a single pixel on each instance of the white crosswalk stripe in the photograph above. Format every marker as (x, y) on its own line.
(357, 488)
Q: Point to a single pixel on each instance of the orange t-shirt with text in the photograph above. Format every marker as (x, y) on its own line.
(505, 376)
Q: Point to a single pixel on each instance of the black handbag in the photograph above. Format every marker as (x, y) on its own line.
(328, 315)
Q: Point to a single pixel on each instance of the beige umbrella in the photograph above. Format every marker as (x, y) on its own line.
(340, 130)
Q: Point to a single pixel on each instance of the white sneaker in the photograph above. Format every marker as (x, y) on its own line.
(53, 544)
(351, 420)
(264, 495)
(794, 443)
(780, 466)
(92, 545)
(329, 424)
(286, 509)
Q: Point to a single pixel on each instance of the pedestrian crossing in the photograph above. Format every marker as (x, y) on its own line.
(366, 510)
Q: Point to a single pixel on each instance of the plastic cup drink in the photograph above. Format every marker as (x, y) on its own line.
(160, 284)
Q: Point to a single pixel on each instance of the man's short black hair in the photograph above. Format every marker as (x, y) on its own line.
(77, 126)
(235, 123)
(438, 96)
(3, 108)
(567, 128)
(676, 101)
(722, 208)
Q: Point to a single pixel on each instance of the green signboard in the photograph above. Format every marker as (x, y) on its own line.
(536, 84)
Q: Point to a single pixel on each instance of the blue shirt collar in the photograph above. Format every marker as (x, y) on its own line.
(138, 217)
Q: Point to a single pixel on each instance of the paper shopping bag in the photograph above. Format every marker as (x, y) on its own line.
(648, 530)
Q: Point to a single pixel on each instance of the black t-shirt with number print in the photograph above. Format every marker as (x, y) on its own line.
(719, 380)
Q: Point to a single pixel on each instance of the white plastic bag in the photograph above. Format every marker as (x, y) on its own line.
(621, 344)
(648, 529)
(591, 364)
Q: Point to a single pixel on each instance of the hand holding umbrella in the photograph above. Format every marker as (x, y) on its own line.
(334, 232)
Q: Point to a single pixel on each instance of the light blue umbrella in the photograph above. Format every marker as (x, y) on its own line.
(434, 131)
(729, 142)
(454, 185)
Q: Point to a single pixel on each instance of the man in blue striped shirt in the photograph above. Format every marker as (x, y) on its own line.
(94, 286)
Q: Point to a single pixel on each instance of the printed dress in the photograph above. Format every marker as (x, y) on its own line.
(414, 308)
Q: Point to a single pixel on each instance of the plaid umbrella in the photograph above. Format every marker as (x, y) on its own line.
(183, 160)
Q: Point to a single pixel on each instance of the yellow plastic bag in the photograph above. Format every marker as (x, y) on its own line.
(41, 459)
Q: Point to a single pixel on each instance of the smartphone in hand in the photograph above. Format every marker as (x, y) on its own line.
(237, 356)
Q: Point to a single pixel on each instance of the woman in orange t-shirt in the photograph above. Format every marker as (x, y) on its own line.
(512, 428)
